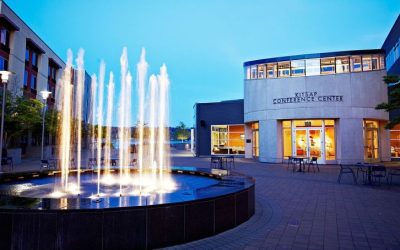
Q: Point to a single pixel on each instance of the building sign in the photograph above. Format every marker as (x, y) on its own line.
(302, 97)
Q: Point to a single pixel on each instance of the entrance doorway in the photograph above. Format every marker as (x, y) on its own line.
(308, 142)
(371, 143)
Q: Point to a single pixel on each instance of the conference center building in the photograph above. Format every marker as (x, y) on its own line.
(314, 105)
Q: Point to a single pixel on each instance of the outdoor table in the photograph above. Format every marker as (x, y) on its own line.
(221, 159)
(300, 160)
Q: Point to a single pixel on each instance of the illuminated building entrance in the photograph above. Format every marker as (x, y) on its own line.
(310, 138)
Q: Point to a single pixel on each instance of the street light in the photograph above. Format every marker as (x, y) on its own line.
(5, 76)
(45, 94)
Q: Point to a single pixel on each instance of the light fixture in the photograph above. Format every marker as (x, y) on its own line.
(45, 94)
(5, 75)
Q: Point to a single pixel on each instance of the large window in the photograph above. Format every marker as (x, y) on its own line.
(284, 69)
(298, 68)
(316, 66)
(342, 64)
(261, 71)
(4, 37)
(355, 62)
(3, 63)
(227, 139)
(312, 67)
(371, 144)
(367, 63)
(255, 139)
(272, 70)
(395, 142)
(330, 142)
(327, 66)
(287, 138)
(26, 77)
(33, 82)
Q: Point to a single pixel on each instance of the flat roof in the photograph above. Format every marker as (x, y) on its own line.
(315, 55)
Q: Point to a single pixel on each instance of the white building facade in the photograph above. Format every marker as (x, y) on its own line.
(317, 105)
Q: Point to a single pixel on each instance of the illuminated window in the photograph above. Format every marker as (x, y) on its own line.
(272, 69)
(330, 142)
(375, 62)
(327, 66)
(366, 63)
(381, 62)
(287, 138)
(342, 64)
(371, 145)
(261, 71)
(284, 69)
(298, 68)
(247, 72)
(253, 72)
(395, 142)
(355, 62)
(312, 67)
(255, 139)
(227, 139)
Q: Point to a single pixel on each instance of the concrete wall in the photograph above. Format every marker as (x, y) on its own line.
(216, 113)
(360, 92)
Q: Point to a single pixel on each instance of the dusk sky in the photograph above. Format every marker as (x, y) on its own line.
(204, 43)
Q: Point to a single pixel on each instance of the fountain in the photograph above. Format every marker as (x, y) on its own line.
(127, 195)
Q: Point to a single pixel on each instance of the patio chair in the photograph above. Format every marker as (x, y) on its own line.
(390, 173)
(291, 163)
(346, 169)
(313, 163)
(361, 169)
(378, 172)
(48, 164)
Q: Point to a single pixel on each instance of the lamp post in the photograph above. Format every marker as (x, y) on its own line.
(5, 75)
(45, 94)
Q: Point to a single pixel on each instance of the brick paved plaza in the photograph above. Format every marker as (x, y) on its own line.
(309, 211)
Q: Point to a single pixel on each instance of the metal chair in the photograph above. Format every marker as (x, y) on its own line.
(378, 172)
(7, 161)
(346, 169)
(390, 173)
(314, 163)
(230, 162)
(361, 169)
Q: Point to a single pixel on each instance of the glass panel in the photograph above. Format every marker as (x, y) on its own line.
(327, 66)
(254, 72)
(254, 125)
(33, 82)
(27, 54)
(381, 62)
(307, 123)
(395, 142)
(298, 68)
(355, 62)
(25, 78)
(219, 139)
(256, 151)
(314, 136)
(3, 36)
(248, 75)
(301, 142)
(313, 67)
(367, 64)
(287, 142)
(287, 124)
(3, 63)
(329, 123)
(330, 143)
(342, 64)
(284, 69)
(261, 71)
(371, 145)
(34, 58)
(272, 69)
(375, 62)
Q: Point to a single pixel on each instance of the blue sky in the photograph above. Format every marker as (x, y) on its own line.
(204, 43)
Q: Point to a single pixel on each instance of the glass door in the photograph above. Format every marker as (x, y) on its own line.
(308, 142)
(371, 144)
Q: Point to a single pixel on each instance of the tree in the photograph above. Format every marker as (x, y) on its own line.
(182, 133)
(21, 116)
(393, 83)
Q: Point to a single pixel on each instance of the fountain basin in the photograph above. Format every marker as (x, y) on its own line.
(209, 204)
